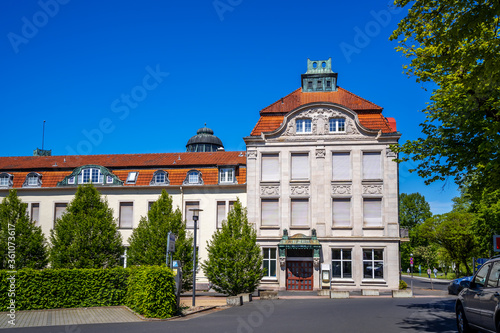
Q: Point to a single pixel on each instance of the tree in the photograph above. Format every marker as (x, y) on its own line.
(487, 221)
(455, 45)
(453, 232)
(16, 229)
(86, 236)
(148, 242)
(413, 211)
(234, 262)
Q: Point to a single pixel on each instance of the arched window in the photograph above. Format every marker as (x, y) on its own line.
(6, 180)
(160, 177)
(33, 179)
(193, 177)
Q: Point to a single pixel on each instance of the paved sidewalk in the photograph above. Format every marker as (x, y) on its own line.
(69, 317)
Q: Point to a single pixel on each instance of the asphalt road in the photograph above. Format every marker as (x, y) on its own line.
(385, 315)
(422, 286)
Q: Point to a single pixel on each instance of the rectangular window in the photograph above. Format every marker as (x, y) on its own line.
(33, 180)
(226, 175)
(189, 213)
(86, 176)
(372, 166)
(341, 166)
(373, 263)
(300, 166)
(109, 179)
(194, 177)
(309, 84)
(269, 262)
(372, 212)
(337, 125)
(221, 213)
(319, 85)
(270, 212)
(270, 168)
(341, 212)
(126, 215)
(60, 209)
(303, 125)
(300, 212)
(341, 263)
(35, 213)
(71, 180)
(328, 84)
(150, 204)
(4, 181)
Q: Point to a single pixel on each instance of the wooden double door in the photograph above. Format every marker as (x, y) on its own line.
(299, 275)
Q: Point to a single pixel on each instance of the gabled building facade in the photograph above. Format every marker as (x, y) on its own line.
(322, 188)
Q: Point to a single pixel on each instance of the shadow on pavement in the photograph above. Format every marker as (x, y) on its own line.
(438, 316)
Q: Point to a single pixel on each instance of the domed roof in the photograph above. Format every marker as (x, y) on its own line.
(204, 140)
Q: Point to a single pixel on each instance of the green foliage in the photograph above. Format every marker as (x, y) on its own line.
(402, 284)
(148, 242)
(234, 262)
(64, 288)
(17, 230)
(86, 236)
(413, 209)
(487, 221)
(455, 45)
(427, 255)
(151, 291)
(453, 232)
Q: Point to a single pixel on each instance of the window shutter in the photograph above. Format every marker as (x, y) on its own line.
(300, 212)
(372, 212)
(270, 167)
(341, 212)
(60, 209)
(270, 212)
(189, 213)
(35, 211)
(126, 214)
(300, 166)
(341, 166)
(221, 213)
(372, 168)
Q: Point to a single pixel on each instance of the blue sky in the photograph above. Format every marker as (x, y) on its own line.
(142, 77)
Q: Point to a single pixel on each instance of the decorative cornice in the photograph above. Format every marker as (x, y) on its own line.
(341, 189)
(269, 190)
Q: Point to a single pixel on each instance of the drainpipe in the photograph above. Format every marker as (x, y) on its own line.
(182, 202)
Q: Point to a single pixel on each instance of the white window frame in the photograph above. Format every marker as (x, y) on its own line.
(294, 171)
(228, 206)
(373, 223)
(268, 260)
(341, 261)
(71, 180)
(159, 174)
(226, 175)
(349, 166)
(270, 161)
(56, 204)
(91, 172)
(366, 172)
(132, 177)
(337, 125)
(191, 204)
(277, 202)
(303, 126)
(372, 261)
(6, 180)
(109, 179)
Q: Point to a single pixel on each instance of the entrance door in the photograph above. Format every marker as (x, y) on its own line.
(299, 275)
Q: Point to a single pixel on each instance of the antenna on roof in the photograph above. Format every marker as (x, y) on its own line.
(43, 133)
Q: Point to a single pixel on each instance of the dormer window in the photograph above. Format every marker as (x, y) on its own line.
(33, 179)
(337, 125)
(303, 125)
(132, 177)
(90, 175)
(193, 177)
(160, 177)
(319, 85)
(6, 180)
(226, 175)
(71, 180)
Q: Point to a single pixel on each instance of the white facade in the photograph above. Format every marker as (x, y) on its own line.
(343, 184)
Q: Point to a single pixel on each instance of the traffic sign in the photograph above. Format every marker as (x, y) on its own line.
(411, 261)
(496, 243)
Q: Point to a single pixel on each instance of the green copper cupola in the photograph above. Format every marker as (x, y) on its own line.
(319, 76)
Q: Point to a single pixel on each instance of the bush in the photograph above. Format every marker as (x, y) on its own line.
(402, 284)
(151, 291)
(65, 288)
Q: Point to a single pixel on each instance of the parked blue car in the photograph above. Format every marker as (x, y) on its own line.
(454, 287)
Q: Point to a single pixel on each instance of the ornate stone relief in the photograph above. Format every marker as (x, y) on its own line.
(341, 189)
(269, 190)
(299, 190)
(316, 262)
(320, 153)
(372, 189)
(390, 153)
(282, 262)
(252, 154)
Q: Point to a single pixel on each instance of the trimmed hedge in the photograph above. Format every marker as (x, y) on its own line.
(151, 292)
(73, 288)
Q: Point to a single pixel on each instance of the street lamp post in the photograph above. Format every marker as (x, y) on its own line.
(196, 213)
